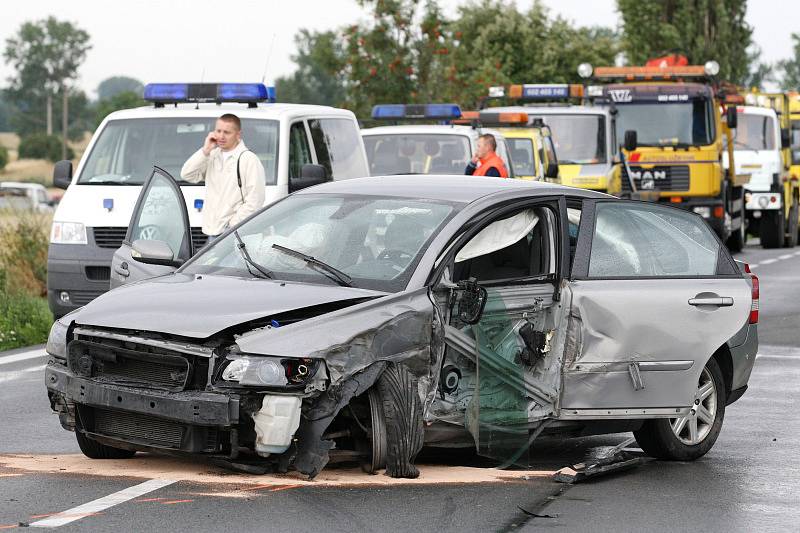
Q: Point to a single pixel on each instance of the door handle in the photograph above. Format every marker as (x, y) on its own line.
(122, 269)
(719, 301)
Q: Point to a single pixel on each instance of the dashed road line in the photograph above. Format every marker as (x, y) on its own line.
(10, 376)
(101, 504)
(786, 256)
(769, 261)
(22, 356)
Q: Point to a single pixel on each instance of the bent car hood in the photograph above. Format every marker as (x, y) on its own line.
(182, 304)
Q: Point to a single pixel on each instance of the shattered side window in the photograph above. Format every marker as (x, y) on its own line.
(636, 241)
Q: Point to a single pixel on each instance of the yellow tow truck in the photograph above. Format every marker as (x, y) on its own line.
(673, 120)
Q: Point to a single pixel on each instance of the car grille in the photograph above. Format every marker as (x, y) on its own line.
(661, 178)
(83, 297)
(108, 237)
(98, 273)
(170, 375)
(136, 427)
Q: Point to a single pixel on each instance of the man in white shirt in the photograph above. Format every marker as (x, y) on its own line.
(234, 176)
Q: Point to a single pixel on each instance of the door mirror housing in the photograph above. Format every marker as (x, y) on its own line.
(62, 174)
(631, 140)
(471, 301)
(551, 172)
(153, 253)
(310, 175)
(786, 139)
(731, 117)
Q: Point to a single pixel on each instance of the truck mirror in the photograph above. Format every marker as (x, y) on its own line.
(62, 174)
(551, 172)
(731, 117)
(631, 140)
(786, 138)
(310, 175)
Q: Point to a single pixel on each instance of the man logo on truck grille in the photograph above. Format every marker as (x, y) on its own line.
(620, 95)
(647, 178)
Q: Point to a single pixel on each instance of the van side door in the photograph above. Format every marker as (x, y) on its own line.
(339, 147)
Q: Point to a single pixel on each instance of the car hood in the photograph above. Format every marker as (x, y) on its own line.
(200, 306)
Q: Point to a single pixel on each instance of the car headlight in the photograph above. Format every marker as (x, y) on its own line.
(57, 340)
(68, 233)
(259, 370)
(763, 202)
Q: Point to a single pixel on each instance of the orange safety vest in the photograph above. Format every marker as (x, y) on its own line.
(492, 160)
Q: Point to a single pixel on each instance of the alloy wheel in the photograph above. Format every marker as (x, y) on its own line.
(693, 428)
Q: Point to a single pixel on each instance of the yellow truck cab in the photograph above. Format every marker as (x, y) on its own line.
(761, 149)
(673, 121)
(582, 132)
(794, 135)
(530, 145)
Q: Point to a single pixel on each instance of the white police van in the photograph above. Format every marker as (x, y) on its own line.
(443, 148)
(299, 146)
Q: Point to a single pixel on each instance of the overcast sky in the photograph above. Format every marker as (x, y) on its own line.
(182, 40)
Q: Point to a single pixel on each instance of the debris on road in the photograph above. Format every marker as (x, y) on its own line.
(616, 459)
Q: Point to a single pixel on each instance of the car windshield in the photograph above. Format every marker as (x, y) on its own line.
(686, 123)
(522, 155)
(375, 241)
(14, 198)
(754, 132)
(417, 154)
(579, 139)
(126, 150)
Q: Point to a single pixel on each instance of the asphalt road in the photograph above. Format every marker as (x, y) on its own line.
(749, 481)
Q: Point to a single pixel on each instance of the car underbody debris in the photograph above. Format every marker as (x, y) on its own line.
(616, 459)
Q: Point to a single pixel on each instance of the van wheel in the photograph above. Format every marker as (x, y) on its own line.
(94, 450)
(772, 228)
(692, 436)
(794, 213)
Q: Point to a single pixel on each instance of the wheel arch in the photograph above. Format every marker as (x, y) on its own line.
(725, 361)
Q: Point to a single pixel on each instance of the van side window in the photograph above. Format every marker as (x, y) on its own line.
(338, 145)
(299, 151)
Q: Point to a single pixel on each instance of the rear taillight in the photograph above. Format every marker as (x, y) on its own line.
(754, 294)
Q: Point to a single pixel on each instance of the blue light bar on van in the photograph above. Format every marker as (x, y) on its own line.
(416, 111)
(171, 93)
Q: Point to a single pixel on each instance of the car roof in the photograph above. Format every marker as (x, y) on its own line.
(265, 110)
(563, 109)
(453, 188)
(756, 110)
(400, 129)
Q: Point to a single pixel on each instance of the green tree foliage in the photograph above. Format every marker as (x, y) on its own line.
(42, 146)
(318, 78)
(3, 157)
(790, 68)
(110, 87)
(699, 29)
(5, 113)
(123, 100)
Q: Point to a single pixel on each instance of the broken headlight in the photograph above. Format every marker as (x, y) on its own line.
(259, 370)
(57, 340)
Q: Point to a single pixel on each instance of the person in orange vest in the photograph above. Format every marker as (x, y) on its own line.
(486, 162)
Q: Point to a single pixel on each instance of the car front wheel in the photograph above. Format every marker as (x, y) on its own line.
(692, 436)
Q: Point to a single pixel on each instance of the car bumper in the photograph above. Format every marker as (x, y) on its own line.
(135, 418)
(82, 271)
(743, 357)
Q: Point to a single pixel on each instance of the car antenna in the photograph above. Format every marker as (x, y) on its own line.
(202, 79)
(269, 54)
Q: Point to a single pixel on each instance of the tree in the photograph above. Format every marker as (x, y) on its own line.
(123, 100)
(46, 55)
(5, 113)
(790, 68)
(110, 87)
(318, 78)
(699, 29)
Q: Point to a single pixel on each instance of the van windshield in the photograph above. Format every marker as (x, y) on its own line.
(127, 149)
(417, 153)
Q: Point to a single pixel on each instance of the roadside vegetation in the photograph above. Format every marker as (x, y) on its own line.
(24, 316)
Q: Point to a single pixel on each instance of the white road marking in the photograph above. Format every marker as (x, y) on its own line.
(753, 265)
(786, 256)
(10, 376)
(769, 261)
(22, 356)
(796, 253)
(101, 504)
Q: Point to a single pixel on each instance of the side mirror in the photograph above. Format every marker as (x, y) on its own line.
(731, 117)
(551, 171)
(62, 174)
(471, 301)
(786, 139)
(631, 140)
(310, 175)
(153, 253)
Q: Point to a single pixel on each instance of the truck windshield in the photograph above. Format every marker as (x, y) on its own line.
(754, 132)
(668, 124)
(579, 139)
(127, 149)
(417, 154)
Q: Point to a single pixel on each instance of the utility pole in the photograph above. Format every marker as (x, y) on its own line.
(64, 121)
(49, 113)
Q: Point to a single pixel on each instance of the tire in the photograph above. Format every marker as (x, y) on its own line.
(402, 410)
(658, 438)
(772, 228)
(738, 238)
(791, 237)
(94, 450)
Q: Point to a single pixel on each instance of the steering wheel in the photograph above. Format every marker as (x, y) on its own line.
(398, 258)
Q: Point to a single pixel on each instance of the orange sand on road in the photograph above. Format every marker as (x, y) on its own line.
(157, 467)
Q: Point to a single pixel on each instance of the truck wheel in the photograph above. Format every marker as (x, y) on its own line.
(692, 436)
(94, 450)
(791, 237)
(738, 237)
(772, 228)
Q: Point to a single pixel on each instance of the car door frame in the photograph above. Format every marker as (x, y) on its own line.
(580, 273)
(122, 256)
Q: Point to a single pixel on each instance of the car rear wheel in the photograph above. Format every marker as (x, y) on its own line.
(94, 450)
(692, 436)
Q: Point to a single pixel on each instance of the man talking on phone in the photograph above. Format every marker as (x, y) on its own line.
(233, 174)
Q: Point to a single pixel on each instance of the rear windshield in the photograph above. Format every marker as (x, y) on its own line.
(417, 154)
(127, 150)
